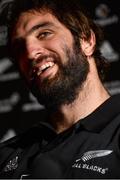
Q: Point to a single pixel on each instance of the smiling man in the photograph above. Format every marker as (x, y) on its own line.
(56, 49)
(50, 58)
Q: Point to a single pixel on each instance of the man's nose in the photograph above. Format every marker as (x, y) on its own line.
(34, 50)
(34, 54)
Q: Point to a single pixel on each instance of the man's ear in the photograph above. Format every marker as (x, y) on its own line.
(88, 46)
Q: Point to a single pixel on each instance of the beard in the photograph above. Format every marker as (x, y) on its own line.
(64, 87)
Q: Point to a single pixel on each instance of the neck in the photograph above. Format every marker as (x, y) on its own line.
(89, 98)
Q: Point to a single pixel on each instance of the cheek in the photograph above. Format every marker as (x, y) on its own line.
(60, 48)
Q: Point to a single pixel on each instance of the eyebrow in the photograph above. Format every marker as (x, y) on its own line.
(40, 25)
(34, 28)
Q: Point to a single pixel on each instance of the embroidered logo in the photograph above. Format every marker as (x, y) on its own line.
(12, 165)
(83, 162)
(94, 154)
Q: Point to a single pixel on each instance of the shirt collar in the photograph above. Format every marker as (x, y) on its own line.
(106, 112)
(97, 120)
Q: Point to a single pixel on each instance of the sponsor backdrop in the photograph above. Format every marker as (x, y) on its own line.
(19, 110)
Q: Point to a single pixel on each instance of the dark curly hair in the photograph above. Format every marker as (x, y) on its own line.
(70, 13)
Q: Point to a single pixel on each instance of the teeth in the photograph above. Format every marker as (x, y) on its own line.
(44, 66)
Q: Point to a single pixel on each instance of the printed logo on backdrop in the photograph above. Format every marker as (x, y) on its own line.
(5, 70)
(4, 4)
(108, 51)
(113, 86)
(103, 17)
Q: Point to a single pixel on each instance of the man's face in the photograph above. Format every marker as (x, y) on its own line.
(53, 66)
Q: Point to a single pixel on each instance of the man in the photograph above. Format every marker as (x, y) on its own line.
(56, 48)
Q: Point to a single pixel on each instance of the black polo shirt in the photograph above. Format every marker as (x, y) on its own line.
(89, 149)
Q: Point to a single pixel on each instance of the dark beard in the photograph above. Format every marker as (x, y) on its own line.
(65, 86)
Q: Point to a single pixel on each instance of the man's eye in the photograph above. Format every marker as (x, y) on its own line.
(44, 35)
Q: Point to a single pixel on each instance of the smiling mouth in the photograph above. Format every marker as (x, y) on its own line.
(44, 67)
(41, 70)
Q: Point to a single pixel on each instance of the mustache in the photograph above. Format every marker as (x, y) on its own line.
(34, 62)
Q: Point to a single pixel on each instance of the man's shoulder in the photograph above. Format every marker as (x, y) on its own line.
(22, 140)
(19, 147)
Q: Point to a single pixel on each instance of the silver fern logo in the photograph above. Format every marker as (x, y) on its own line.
(94, 154)
(83, 162)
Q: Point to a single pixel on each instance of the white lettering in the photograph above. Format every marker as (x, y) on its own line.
(90, 167)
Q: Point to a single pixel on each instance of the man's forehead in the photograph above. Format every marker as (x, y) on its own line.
(28, 20)
(33, 17)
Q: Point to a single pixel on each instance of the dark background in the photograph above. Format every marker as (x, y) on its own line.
(19, 110)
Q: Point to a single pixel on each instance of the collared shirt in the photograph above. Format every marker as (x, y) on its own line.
(89, 149)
